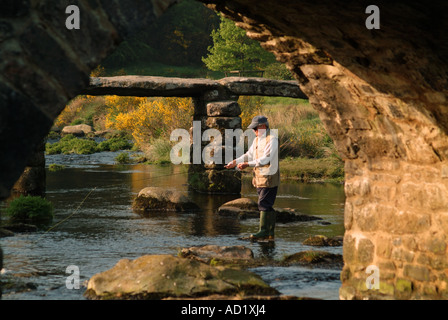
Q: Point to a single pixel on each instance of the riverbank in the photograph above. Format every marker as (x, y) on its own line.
(329, 169)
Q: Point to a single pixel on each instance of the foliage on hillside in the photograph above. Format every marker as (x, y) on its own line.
(180, 37)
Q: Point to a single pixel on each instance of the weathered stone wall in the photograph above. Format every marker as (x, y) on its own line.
(215, 109)
(382, 95)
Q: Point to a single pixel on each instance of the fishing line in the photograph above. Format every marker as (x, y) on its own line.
(88, 195)
(106, 186)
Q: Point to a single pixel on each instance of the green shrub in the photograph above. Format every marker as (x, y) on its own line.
(56, 167)
(277, 71)
(123, 158)
(70, 144)
(158, 151)
(30, 208)
(76, 122)
(115, 144)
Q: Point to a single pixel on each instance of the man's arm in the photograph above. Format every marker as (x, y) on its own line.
(248, 156)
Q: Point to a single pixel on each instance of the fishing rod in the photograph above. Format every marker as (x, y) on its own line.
(107, 186)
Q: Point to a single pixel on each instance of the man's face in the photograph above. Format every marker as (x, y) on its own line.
(260, 130)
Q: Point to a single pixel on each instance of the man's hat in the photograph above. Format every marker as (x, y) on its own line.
(258, 120)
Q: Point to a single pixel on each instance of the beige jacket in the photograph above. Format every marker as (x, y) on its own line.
(263, 156)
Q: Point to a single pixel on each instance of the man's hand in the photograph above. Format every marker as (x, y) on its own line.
(231, 165)
(243, 165)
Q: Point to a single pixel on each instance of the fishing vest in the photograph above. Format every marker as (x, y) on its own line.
(261, 177)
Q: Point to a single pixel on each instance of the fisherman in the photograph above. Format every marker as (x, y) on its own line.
(263, 157)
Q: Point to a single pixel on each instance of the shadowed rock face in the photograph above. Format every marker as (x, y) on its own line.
(44, 65)
(382, 95)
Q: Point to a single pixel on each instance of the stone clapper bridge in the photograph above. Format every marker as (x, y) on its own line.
(215, 106)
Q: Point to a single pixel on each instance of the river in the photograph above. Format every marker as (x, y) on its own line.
(94, 227)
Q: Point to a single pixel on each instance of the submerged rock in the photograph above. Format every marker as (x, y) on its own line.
(5, 233)
(210, 253)
(323, 241)
(244, 208)
(291, 215)
(158, 199)
(311, 257)
(21, 227)
(166, 276)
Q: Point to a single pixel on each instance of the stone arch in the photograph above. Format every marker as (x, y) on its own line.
(382, 95)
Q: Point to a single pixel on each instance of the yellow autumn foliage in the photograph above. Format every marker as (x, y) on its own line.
(148, 118)
(250, 107)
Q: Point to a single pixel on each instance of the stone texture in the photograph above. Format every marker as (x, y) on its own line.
(207, 253)
(313, 258)
(165, 276)
(215, 89)
(322, 241)
(223, 109)
(159, 200)
(79, 130)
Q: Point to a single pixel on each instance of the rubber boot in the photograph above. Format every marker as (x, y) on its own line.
(263, 232)
(271, 218)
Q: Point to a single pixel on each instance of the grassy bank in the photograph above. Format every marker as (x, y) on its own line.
(312, 170)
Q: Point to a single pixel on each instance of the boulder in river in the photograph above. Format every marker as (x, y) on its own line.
(166, 276)
(159, 199)
(79, 130)
(315, 258)
(244, 208)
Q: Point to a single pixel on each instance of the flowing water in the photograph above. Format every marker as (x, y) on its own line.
(94, 227)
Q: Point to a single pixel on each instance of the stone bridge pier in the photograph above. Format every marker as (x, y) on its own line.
(215, 107)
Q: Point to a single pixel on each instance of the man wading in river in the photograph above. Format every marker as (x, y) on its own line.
(263, 157)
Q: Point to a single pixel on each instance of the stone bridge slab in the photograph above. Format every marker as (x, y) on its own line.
(149, 86)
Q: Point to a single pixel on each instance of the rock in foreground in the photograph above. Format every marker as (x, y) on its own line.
(166, 276)
(158, 199)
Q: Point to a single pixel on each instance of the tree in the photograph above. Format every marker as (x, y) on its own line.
(233, 50)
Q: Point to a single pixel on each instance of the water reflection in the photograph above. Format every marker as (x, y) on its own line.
(104, 229)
